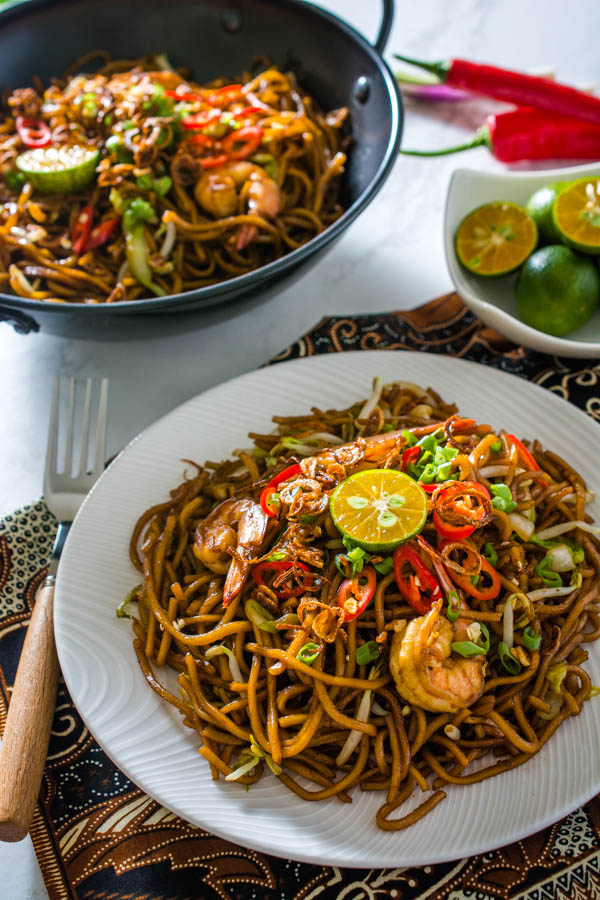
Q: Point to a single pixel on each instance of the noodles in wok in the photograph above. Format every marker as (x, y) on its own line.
(136, 182)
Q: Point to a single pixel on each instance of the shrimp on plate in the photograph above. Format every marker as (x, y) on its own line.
(425, 672)
(228, 538)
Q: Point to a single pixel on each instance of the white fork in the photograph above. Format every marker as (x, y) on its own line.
(27, 732)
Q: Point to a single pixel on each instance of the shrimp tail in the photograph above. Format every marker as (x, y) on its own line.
(251, 532)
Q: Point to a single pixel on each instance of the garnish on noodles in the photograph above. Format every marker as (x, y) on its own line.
(135, 181)
(336, 666)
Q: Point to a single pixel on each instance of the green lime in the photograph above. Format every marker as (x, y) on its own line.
(539, 207)
(557, 291)
(378, 508)
(59, 170)
(576, 215)
(495, 239)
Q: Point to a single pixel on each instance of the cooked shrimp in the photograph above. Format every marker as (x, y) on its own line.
(228, 538)
(217, 191)
(363, 452)
(426, 674)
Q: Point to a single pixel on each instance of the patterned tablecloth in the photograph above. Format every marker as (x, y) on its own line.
(98, 836)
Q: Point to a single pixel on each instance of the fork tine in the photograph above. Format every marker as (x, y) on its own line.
(101, 429)
(52, 449)
(69, 441)
(85, 427)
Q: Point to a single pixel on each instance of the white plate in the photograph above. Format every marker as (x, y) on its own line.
(492, 299)
(145, 737)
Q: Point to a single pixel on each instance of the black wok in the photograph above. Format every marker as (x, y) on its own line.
(331, 60)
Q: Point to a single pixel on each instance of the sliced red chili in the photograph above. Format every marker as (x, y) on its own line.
(101, 233)
(274, 483)
(460, 503)
(240, 144)
(526, 457)
(282, 585)
(356, 593)
(81, 228)
(266, 502)
(415, 582)
(203, 139)
(33, 132)
(225, 94)
(201, 119)
(452, 532)
(410, 456)
(459, 425)
(479, 591)
(211, 162)
(248, 111)
(185, 96)
(469, 561)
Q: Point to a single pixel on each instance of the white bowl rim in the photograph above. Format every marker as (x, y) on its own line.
(497, 318)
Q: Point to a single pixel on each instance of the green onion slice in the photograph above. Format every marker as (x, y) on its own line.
(366, 653)
(273, 627)
(548, 576)
(131, 597)
(512, 665)
(257, 614)
(502, 499)
(531, 638)
(453, 610)
(385, 566)
(490, 554)
(308, 653)
(470, 648)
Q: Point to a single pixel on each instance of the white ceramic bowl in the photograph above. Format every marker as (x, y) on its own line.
(492, 299)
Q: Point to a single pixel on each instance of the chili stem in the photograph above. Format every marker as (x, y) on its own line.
(478, 141)
(440, 69)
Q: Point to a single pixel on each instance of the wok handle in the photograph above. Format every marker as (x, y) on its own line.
(385, 27)
(22, 323)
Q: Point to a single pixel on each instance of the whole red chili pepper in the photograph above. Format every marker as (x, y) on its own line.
(527, 133)
(513, 87)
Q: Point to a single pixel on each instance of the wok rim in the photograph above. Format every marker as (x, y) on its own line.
(240, 286)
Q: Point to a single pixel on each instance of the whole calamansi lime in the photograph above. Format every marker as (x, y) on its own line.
(557, 291)
(539, 207)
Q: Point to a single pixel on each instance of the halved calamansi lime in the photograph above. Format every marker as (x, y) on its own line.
(495, 239)
(59, 170)
(378, 509)
(576, 215)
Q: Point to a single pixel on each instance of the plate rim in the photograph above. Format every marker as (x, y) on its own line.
(256, 843)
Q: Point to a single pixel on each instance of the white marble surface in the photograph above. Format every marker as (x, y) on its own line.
(391, 258)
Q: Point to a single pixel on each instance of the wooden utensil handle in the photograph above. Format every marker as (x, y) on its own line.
(30, 712)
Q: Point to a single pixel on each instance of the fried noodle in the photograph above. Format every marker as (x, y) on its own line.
(271, 675)
(194, 184)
